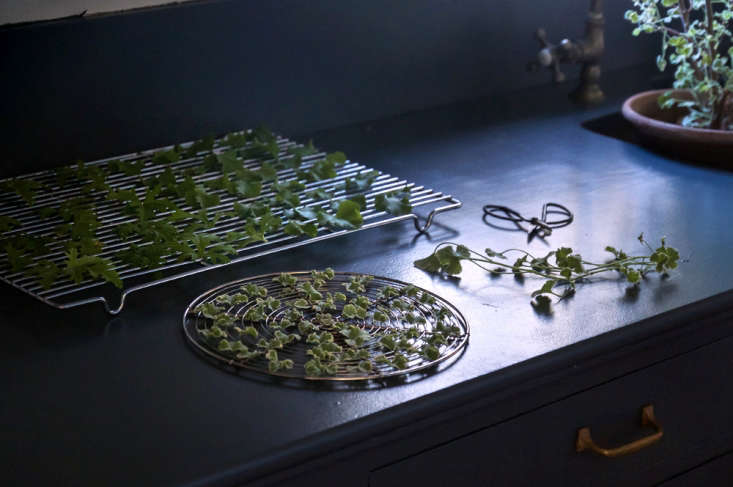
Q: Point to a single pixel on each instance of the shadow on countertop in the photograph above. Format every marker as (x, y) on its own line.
(612, 125)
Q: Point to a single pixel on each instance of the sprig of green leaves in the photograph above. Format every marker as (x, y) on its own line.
(562, 275)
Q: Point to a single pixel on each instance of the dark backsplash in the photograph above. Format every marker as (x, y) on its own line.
(88, 88)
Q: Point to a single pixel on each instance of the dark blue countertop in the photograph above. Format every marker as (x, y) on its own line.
(90, 400)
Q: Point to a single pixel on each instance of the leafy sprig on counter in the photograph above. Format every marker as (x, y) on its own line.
(342, 332)
(176, 211)
(562, 269)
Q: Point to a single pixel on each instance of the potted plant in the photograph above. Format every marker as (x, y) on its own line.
(694, 120)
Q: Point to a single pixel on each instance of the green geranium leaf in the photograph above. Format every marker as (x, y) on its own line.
(347, 216)
(295, 228)
(396, 203)
(431, 263)
(360, 182)
(8, 223)
(546, 287)
(450, 260)
(320, 194)
(248, 189)
(336, 158)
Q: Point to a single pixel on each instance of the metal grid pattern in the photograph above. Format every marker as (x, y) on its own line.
(66, 293)
(194, 322)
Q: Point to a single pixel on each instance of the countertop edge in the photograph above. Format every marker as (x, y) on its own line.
(417, 414)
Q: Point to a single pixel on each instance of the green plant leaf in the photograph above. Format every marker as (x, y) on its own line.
(336, 158)
(360, 200)
(78, 268)
(361, 182)
(320, 194)
(248, 189)
(25, 188)
(47, 273)
(347, 216)
(165, 157)
(295, 228)
(431, 263)
(395, 203)
(450, 260)
(8, 223)
(546, 288)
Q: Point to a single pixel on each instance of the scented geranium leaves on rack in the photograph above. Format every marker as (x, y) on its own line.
(198, 197)
(342, 343)
(205, 144)
(63, 175)
(360, 200)
(321, 170)
(307, 212)
(8, 223)
(165, 157)
(228, 162)
(287, 193)
(236, 139)
(348, 216)
(268, 172)
(47, 272)
(248, 188)
(257, 228)
(336, 158)
(320, 194)
(260, 149)
(18, 253)
(349, 210)
(166, 182)
(145, 256)
(131, 168)
(177, 205)
(295, 228)
(208, 249)
(25, 188)
(79, 268)
(250, 210)
(305, 150)
(396, 203)
(210, 164)
(360, 182)
(220, 254)
(297, 154)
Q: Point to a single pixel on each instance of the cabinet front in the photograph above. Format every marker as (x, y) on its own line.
(636, 430)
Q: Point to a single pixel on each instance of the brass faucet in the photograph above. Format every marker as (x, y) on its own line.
(587, 51)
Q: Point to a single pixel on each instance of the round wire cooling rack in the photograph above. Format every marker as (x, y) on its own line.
(401, 329)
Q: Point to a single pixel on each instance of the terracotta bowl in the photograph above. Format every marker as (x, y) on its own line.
(657, 129)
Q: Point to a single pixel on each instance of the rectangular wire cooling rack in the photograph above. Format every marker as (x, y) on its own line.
(65, 293)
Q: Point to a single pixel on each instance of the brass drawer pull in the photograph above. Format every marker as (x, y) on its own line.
(585, 442)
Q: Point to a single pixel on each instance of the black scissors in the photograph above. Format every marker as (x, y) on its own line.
(541, 227)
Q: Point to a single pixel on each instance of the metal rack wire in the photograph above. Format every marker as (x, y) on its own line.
(66, 294)
(194, 322)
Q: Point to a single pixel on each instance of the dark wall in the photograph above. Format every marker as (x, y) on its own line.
(107, 85)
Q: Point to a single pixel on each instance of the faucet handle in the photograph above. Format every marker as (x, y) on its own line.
(549, 56)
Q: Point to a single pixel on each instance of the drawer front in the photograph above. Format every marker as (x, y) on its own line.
(715, 473)
(693, 401)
